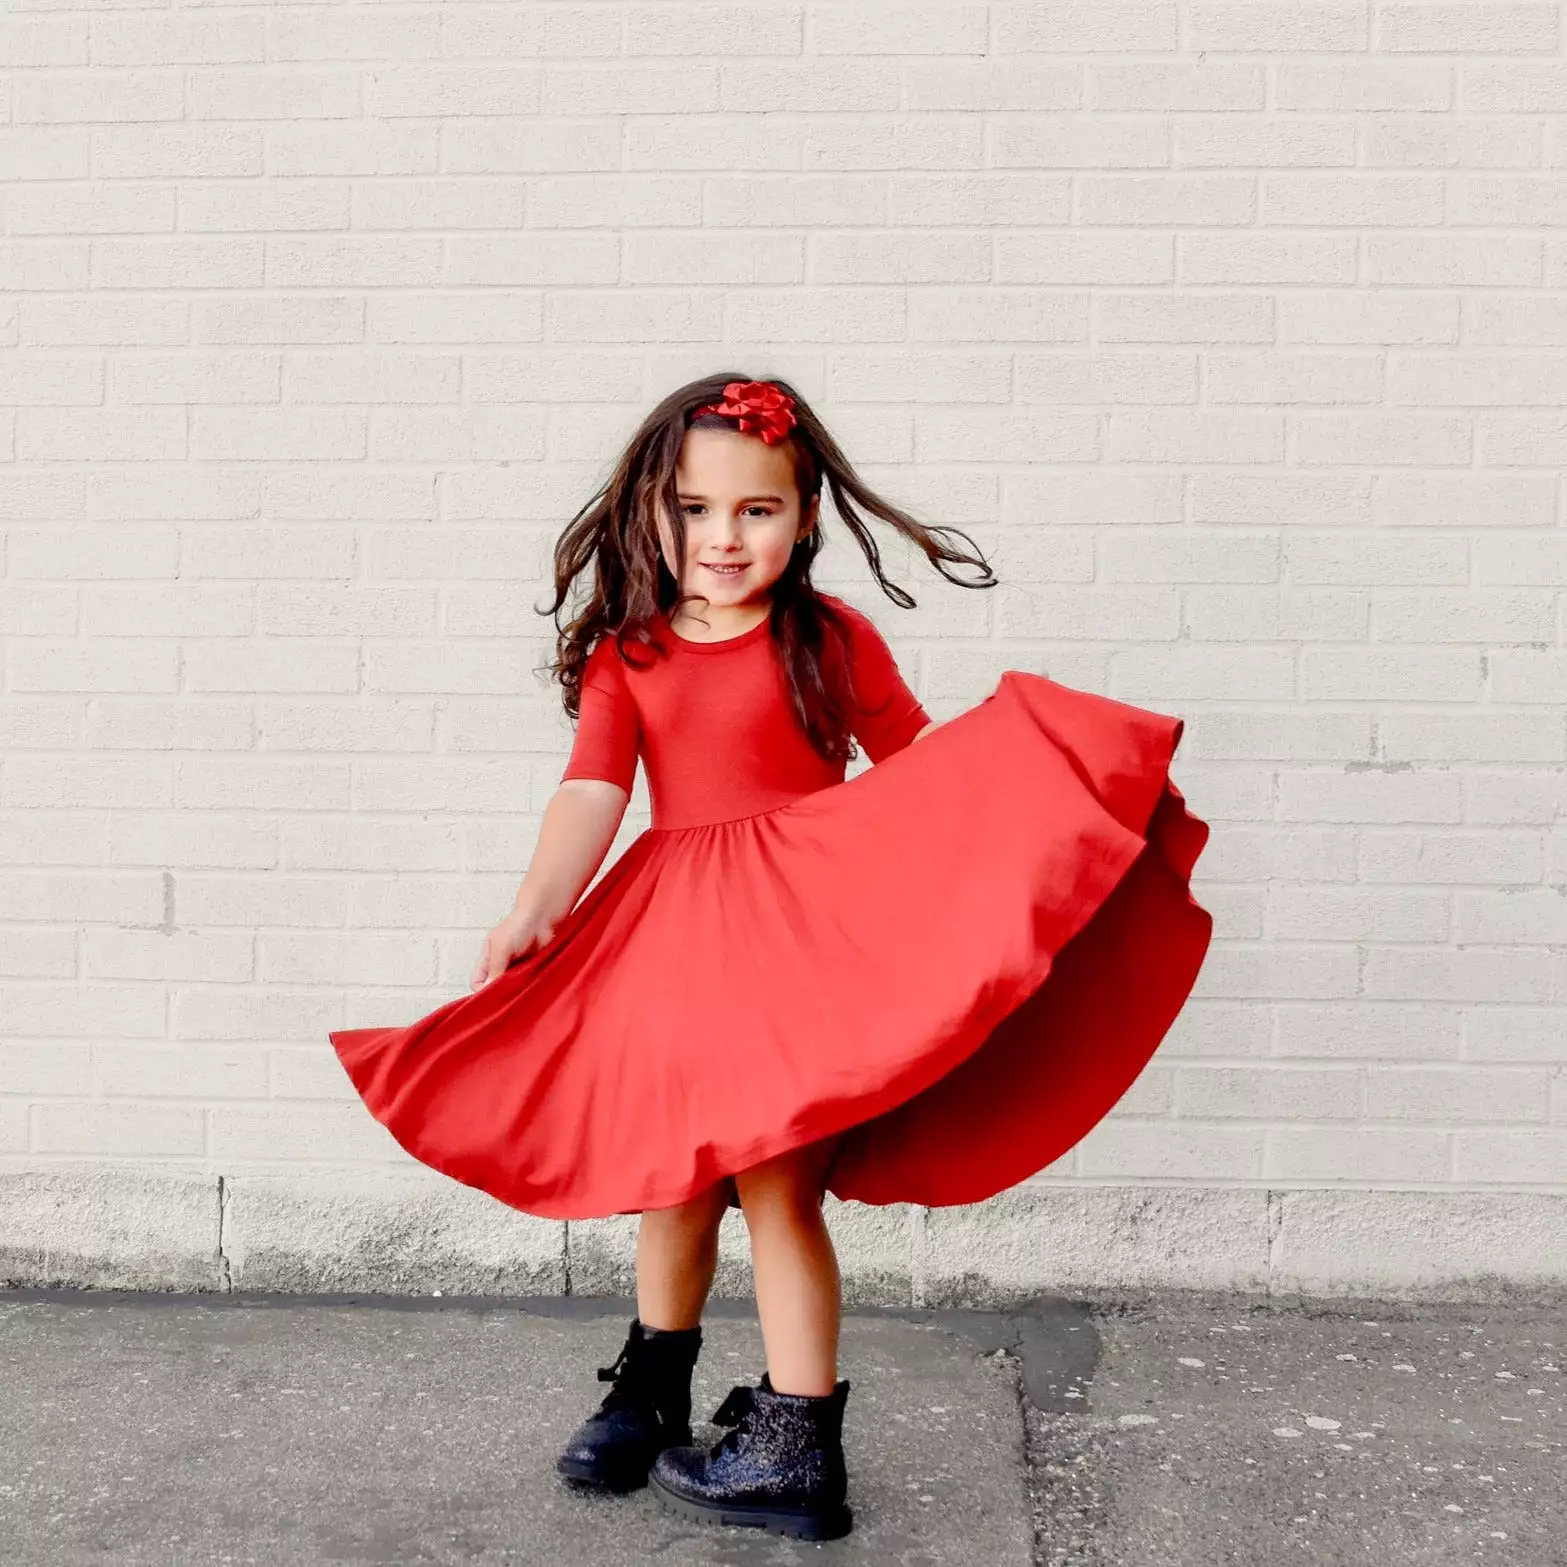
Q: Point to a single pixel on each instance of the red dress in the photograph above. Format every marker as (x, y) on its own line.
(960, 958)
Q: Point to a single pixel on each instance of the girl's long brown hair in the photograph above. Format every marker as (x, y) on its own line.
(616, 534)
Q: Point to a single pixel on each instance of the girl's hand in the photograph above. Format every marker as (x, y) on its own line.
(521, 932)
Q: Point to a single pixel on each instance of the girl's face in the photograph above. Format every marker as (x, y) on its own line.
(742, 509)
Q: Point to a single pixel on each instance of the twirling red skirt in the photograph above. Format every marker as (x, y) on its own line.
(959, 958)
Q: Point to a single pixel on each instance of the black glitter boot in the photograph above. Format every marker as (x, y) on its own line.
(647, 1410)
(780, 1468)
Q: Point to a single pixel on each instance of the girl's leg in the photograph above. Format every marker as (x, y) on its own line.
(677, 1255)
(648, 1407)
(796, 1270)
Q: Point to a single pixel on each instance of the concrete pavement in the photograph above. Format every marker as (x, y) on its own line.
(196, 1429)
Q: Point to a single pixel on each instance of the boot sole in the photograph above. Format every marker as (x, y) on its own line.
(797, 1523)
(601, 1477)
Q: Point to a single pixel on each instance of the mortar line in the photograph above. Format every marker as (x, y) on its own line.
(1274, 1219)
(225, 1273)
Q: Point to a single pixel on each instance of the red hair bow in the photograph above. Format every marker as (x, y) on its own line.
(762, 409)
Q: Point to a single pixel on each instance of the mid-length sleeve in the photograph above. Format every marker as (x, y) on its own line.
(884, 714)
(607, 729)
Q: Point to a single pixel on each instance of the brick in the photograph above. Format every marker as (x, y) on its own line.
(280, 319)
(1049, 141)
(1465, 501)
(1322, 316)
(1354, 1156)
(1517, 917)
(103, 322)
(113, 552)
(1369, 86)
(1265, 1092)
(1318, 378)
(1514, 1034)
(198, 38)
(1276, 27)
(301, 1132)
(1117, 1149)
(371, 378)
(1469, 28)
(1357, 914)
(235, 206)
(1469, 615)
(1066, 258)
(177, 151)
(1515, 87)
(1450, 1094)
(1140, 28)
(1443, 974)
(1375, 561)
(1369, 1031)
(56, 1069)
(1391, 674)
(1415, 142)
(51, 379)
(329, 33)
(363, 261)
(1243, 734)
(1229, 141)
(86, 208)
(99, 97)
(125, 1129)
(1495, 1156)
(47, 153)
(454, 90)
(180, 1072)
(325, 148)
(1368, 795)
(1162, 555)
(32, 266)
(991, 85)
(123, 434)
(1289, 973)
(44, 40)
(1185, 199)
(1455, 857)
(1508, 798)
(439, 204)
(1463, 738)
(1148, 676)
(194, 378)
(1157, 87)
(284, 93)
(508, 31)
(1362, 200)
(284, 433)
(1396, 439)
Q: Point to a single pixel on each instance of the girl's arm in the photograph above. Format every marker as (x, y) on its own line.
(927, 729)
(580, 823)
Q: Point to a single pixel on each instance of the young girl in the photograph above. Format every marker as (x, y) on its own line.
(921, 984)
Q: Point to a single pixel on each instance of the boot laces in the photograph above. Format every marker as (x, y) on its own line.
(632, 1386)
(735, 1411)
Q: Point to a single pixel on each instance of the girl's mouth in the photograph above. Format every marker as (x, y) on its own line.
(724, 571)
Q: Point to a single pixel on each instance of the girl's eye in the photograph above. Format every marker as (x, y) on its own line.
(755, 507)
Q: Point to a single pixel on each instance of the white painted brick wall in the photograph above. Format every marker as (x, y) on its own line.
(1237, 333)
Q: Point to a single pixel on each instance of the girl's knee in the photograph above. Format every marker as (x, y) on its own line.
(702, 1212)
(791, 1184)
